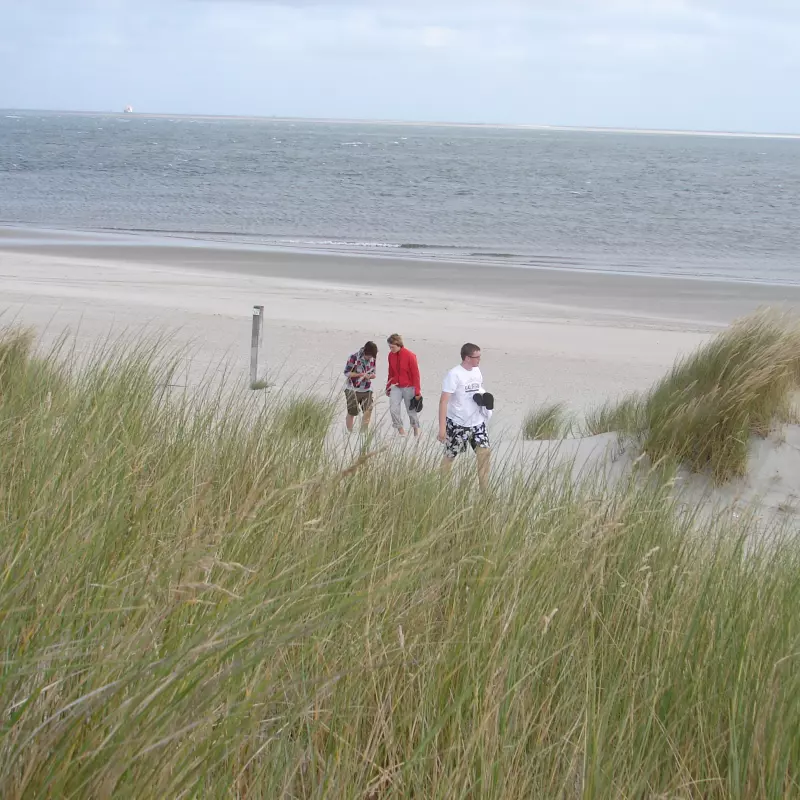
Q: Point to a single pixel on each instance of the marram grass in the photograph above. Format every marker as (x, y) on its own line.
(609, 417)
(196, 604)
(703, 413)
(548, 421)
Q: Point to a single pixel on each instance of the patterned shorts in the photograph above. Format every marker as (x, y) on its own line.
(458, 437)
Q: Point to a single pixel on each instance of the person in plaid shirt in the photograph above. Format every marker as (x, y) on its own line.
(359, 373)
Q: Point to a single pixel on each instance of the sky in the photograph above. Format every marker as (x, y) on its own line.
(720, 65)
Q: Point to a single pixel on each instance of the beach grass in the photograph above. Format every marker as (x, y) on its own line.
(548, 421)
(702, 414)
(304, 418)
(195, 603)
(609, 417)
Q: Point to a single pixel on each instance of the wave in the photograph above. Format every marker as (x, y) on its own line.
(653, 266)
(466, 249)
(421, 246)
(558, 261)
(336, 242)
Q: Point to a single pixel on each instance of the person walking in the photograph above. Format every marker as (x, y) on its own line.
(403, 386)
(464, 409)
(359, 373)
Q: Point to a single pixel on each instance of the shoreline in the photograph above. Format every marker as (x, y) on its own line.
(88, 242)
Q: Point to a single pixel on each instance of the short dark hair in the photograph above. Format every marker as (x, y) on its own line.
(469, 349)
(370, 349)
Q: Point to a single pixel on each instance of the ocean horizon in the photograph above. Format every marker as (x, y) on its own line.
(411, 122)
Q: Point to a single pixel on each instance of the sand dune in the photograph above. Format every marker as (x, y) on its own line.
(546, 335)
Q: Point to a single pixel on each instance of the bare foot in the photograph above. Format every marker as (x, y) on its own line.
(401, 431)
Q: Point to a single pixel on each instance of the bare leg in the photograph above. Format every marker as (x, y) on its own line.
(349, 423)
(447, 465)
(483, 455)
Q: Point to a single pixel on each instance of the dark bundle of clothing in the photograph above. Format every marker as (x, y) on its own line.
(485, 400)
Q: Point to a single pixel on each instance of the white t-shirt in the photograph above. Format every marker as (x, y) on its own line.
(462, 384)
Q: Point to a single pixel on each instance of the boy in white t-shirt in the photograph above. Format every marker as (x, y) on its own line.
(462, 418)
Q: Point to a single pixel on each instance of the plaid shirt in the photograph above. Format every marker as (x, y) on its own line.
(359, 362)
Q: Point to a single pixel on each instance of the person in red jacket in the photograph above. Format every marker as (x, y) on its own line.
(403, 385)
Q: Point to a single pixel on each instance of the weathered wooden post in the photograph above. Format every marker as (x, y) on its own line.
(256, 339)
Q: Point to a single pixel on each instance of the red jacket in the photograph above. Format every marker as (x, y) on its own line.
(403, 370)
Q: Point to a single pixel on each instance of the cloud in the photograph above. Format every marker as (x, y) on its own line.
(657, 63)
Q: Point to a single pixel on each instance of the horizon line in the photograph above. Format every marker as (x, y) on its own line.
(418, 123)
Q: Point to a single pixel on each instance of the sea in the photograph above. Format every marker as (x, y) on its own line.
(716, 206)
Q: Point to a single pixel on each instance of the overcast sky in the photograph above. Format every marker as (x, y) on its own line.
(684, 64)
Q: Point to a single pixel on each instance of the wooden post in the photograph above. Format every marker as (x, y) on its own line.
(256, 339)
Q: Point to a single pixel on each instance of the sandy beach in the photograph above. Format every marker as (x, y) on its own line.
(227, 572)
(547, 334)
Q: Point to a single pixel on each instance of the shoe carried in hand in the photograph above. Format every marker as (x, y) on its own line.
(485, 400)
